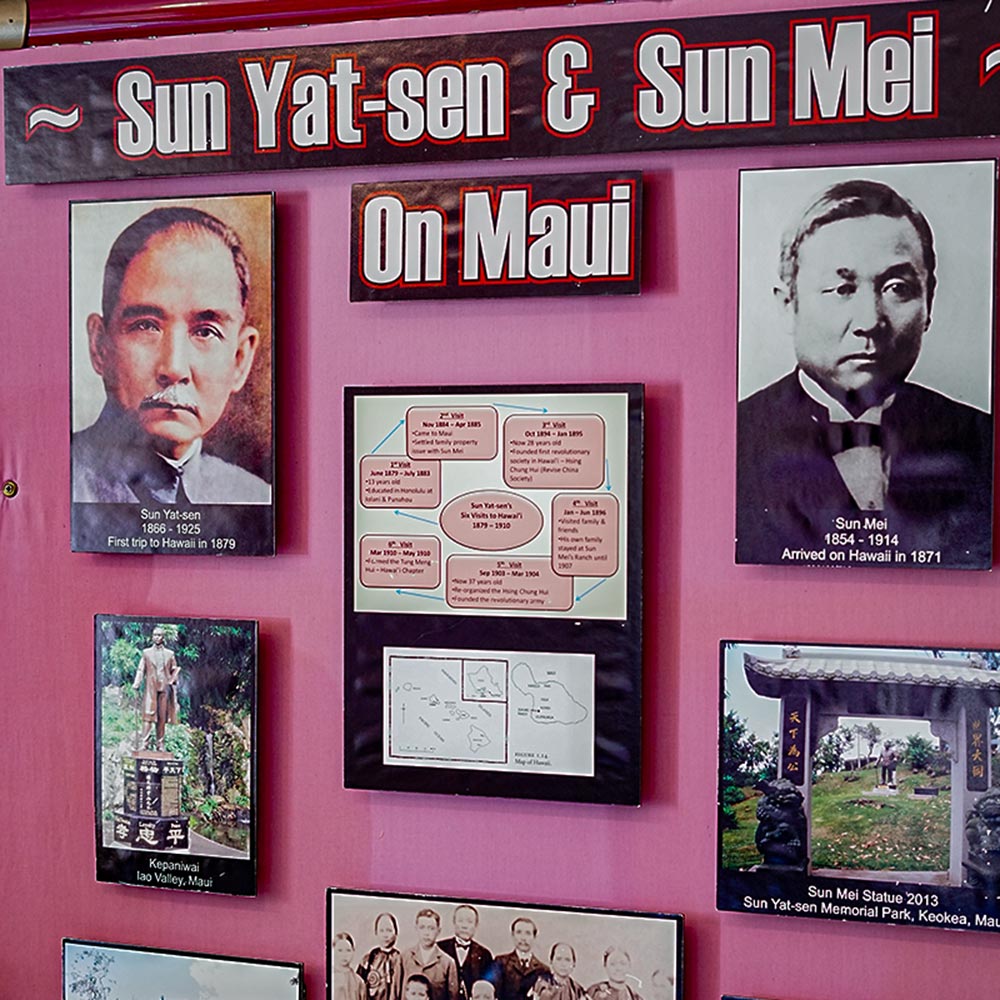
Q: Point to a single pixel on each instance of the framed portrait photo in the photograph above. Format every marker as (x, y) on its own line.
(493, 636)
(92, 968)
(175, 753)
(856, 783)
(865, 387)
(401, 947)
(172, 438)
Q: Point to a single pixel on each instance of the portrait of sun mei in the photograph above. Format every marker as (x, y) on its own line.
(864, 427)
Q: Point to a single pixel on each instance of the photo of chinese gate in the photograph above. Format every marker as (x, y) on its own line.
(861, 763)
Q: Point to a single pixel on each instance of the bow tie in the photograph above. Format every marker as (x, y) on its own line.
(856, 450)
(852, 434)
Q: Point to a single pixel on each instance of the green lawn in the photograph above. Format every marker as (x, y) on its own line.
(851, 828)
(738, 848)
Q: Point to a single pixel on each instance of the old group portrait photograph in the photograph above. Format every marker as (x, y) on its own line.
(864, 414)
(843, 770)
(96, 971)
(172, 401)
(175, 753)
(386, 947)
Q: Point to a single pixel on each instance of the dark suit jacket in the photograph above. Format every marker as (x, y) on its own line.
(476, 965)
(510, 980)
(114, 463)
(789, 492)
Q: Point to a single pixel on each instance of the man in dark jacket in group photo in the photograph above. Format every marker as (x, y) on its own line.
(514, 973)
(472, 958)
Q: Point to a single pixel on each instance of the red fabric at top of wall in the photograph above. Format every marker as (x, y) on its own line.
(61, 22)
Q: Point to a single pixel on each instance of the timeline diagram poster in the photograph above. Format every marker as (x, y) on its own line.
(493, 619)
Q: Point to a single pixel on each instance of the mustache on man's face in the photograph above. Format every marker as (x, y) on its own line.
(173, 397)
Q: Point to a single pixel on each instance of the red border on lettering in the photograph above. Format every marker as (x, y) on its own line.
(984, 73)
(504, 279)
(677, 72)
(150, 107)
(828, 30)
(424, 70)
(401, 282)
(30, 130)
(293, 109)
(331, 117)
(573, 73)
(291, 57)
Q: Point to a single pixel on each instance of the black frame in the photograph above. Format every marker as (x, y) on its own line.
(792, 894)
(222, 529)
(128, 865)
(381, 900)
(616, 645)
(297, 968)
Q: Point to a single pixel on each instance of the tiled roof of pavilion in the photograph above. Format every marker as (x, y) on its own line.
(877, 670)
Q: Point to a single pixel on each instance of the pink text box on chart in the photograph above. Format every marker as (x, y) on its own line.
(585, 534)
(525, 584)
(553, 452)
(491, 520)
(452, 433)
(400, 561)
(398, 481)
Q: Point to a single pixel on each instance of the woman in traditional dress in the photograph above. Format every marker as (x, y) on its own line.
(617, 964)
(562, 959)
(382, 968)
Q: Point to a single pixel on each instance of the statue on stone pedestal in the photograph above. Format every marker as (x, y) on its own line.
(982, 831)
(158, 667)
(781, 835)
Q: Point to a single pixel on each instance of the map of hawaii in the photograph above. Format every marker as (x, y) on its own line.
(551, 702)
(483, 683)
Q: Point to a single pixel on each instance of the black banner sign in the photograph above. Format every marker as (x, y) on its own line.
(977, 749)
(794, 745)
(557, 234)
(895, 71)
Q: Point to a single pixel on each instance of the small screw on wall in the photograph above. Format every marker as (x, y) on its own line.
(10, 488)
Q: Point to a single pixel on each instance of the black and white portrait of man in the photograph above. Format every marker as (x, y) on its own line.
(864, 428)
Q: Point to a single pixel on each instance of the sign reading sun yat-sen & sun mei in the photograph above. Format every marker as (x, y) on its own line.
(794, 77)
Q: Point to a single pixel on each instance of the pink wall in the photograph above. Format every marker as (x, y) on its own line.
(679, 337)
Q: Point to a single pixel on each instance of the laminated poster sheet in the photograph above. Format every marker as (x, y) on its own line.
(172, 388)
(493, 618)
(855, 783)
(175, 755)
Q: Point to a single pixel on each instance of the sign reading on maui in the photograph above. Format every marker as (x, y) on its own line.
(542, 235)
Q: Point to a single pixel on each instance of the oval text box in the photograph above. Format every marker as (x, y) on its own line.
(491, 520)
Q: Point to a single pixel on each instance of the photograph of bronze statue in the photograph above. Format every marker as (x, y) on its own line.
(384, 947)
(175, 750)
(171, 366)
(158, 673)
(864, 426)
